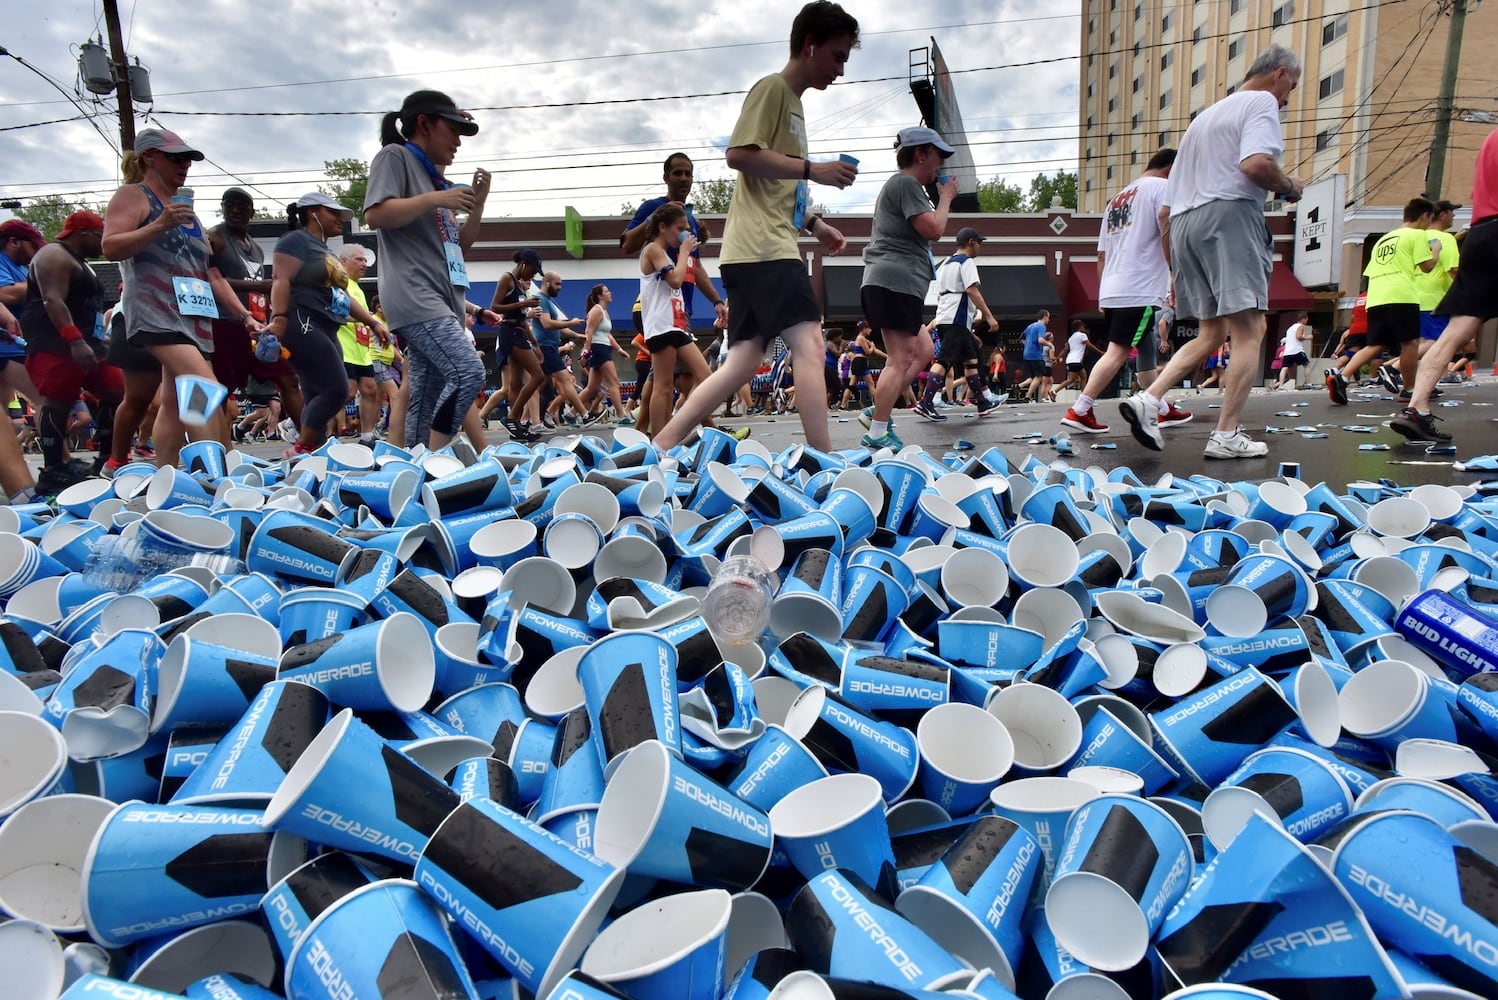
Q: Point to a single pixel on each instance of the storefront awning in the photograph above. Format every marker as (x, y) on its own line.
(1082, 288)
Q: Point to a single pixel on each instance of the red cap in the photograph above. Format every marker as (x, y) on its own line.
(81, 222)
(20, 229)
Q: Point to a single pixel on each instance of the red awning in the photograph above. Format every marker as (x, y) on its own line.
(1081, 287)
(1286, 293)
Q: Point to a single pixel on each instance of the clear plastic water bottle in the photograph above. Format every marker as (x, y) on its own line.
(737, 604)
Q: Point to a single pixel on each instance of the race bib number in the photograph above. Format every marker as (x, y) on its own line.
(340, 305)
(803, 199)
(679, 315)
(361, 335)
(194, 297)
(457, 271)
(259, 306)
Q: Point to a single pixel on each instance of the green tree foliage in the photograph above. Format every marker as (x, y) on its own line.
(712, 197)
(352, 177)
(1046, 190)
(998, 195)
(48, 212)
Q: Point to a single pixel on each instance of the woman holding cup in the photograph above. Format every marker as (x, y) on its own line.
(898, 269)
(171, 293)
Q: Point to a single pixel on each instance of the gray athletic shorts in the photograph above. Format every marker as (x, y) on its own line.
(1220, 258)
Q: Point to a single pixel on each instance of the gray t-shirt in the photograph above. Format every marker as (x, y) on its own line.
(414, 282)
(898, 257)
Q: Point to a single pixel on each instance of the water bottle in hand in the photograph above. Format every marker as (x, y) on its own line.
(737, 604)
(268, 348)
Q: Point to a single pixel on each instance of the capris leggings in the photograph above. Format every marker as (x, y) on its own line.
(318, 361)
(440, 364)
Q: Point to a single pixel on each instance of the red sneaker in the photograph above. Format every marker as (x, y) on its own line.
(1174, 416)
(1083, 422)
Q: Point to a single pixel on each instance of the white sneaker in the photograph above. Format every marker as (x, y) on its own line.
(1240, 445)
(1143, 421)
(942, 404)
(995, 400)
(287, 429)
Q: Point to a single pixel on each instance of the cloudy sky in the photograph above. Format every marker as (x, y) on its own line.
(567, 93)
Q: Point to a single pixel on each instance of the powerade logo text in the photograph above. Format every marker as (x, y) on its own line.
(1007, 888)
(241, 739)
(668, 703)
(192, 818)
(1320, 936)
(320, 961)
(316, 570)
(1315, 821)
(343, 672)
(359, 831)
(722, 807)
(1047, 846)
(284, 916)
(219, 988)
(865, 730)
(1260, 645)
(1098, 742)
(750, 782)
(1462, 654)
(1237, 683)
(1173, 879)
(498, 946)
(892, 690)
(148, 927)
(852, 905)
(1452, 933)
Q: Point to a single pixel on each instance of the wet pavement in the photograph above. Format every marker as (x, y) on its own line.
(1337, 458)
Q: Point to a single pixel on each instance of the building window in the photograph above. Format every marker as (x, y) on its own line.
(1091, 25)
(1334, 29)
(1196, 36)
(1233, 89)
(1088, 187)
(1113, 37)
(1164, 24)
(1089, 154)
(1323, 140)
(1138, 47)
(1164, 139)
(1197, 76)
(1112, 70)
(1089, 90)
(1110, 173)
(1135, 120)
(1089, 121)
(1282, 14)
(1134, 157)
(1165, 100)
(1112, 104)
(1235, 48)
(1236, 6)
(1138, 11)
(1112, 4)
(1110, 138)
(1330, 85)
(1168, 60)
(1138, 83)
(1194, 114)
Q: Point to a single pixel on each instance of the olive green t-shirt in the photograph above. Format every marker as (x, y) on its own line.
(762, 223)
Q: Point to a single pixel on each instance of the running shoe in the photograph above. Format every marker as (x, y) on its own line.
(866, 417)
(53, 480)
(144, 452)
(1083, 422)
(1390, 379)
(738, 433)
(928, 413)
(885, 440)
(1173, 416)
(625, 421)
(1416, 426)
(547, 421)
(1142, 421)
(1239, 445)
(985, 408)
(940, 400)
(592, 418)
(109, 468)
(1336, 386)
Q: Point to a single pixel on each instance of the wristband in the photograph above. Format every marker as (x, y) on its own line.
(806, 170)
(71, 333)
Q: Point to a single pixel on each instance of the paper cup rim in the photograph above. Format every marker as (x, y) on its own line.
(56, 971)
(42, 731)
(1062, 794)
(943, 715)
(70, 802)
(1105, 904)
(721, 903)
(975, 941)
(848, 797)
(1359, 709)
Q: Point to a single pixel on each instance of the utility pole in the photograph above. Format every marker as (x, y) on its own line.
(1435, 175)
(121, 69)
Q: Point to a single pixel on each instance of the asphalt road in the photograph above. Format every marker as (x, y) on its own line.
(1336, 458)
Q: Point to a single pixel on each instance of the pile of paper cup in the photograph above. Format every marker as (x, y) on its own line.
(446, 724)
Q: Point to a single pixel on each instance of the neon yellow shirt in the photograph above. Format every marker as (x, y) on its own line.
(1393, 266)
(1432, 286)
(353, 337)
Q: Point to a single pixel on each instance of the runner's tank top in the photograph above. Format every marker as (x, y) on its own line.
(149, 300)
(661, 306)
(604, 332)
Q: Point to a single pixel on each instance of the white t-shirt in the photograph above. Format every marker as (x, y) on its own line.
(953, 279)
(1206, 168)
(1291, 343)
(1135, 271)
(1076, 347)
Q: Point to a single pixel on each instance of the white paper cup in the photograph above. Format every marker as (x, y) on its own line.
(1045, 727)
(1052, 613)
(1042, 556)
(1164, 555)
(554, 689)
(1390, 576)
(865, 484)
(974, 577)
(1400, 517)
(965, 751)
(773, 696)
(42, 851)
(1180, 669)
(669, 947)
(542, 582)
(1442, 502)
(34, 754)
(1133, 614)
(754, 925)
(601, 506)
(32, 959)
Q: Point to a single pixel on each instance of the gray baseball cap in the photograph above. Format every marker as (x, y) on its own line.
(920, 135)
(313, 198)
(167, 142)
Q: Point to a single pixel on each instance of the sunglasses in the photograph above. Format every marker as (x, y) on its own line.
(180, 159)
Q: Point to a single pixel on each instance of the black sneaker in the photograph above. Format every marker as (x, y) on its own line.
(928, 413)
(1417, 426)
(1336, 386)
(1390, 379)
(589, 419)
(53, 480)
(547, 421)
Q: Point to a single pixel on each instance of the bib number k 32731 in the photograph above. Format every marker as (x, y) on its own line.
(194, 297)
